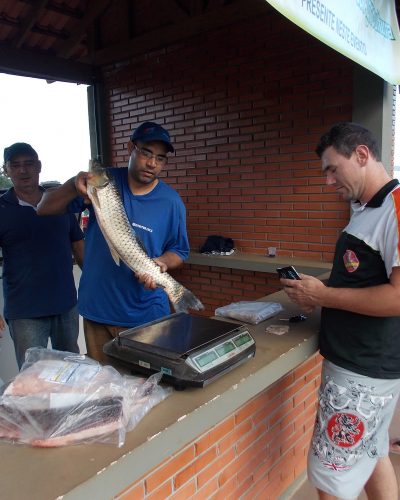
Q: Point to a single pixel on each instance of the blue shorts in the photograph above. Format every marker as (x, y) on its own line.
(351, 431)
(61, 329)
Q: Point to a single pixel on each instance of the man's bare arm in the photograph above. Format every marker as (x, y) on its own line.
(168, 260)
(381, 300)
(78, 250)
(55, 201)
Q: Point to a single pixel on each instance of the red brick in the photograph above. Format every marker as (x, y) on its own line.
(215, 435)
(136, 492)
(162, 492)
(185, 492)
(169, 468)
(195, 467)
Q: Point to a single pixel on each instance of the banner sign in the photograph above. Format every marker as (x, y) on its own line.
(365, 31)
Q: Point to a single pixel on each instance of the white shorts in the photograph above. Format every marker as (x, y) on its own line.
(351, 430)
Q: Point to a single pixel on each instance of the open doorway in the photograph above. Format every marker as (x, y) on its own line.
(52, 117)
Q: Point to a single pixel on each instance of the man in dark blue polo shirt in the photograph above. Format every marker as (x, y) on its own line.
(39, 290)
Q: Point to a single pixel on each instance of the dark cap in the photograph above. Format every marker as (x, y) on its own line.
(19, 148)
(149, 132)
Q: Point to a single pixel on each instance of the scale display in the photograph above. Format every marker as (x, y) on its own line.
(220, 353)
(188, 350)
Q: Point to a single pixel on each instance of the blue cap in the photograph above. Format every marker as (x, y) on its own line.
(19, 148)
(149, 132)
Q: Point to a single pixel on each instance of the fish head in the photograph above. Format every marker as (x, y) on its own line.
(99, 178)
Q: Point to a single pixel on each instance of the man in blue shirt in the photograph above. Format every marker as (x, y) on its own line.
(38, 283)
(111, 297)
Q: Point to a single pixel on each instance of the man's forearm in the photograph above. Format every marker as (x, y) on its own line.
(55, 201)
(171, 259)
(381, 300)
(78, 250)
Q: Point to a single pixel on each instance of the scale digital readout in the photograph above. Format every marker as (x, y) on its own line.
(217, 355)
(188, 350)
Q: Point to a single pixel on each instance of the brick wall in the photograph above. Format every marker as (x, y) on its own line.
(245, 106)
(218, 286)
(255, 453)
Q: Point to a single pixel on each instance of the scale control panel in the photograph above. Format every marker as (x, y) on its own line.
(213, 356)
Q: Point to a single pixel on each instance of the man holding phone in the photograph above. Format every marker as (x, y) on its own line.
(360, 324)
(288, 273)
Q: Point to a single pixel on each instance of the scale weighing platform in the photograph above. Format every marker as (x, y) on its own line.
(188, 350)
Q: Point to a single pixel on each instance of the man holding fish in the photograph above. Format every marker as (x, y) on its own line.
(136, 232)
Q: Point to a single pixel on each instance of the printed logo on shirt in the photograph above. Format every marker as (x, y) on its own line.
(148, 229)
(345, 429)
(351, 261)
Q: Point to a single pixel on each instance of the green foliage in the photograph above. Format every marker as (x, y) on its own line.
(4, 181)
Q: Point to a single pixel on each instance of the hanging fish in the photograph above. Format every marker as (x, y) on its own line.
(125, 245)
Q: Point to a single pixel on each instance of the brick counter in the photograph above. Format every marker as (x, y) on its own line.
(245, 433)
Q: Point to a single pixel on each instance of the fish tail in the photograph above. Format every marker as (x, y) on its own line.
(184, 300)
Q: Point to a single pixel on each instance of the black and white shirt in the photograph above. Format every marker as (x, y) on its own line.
(365, 255)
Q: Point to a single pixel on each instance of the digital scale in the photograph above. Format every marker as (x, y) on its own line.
(188, 350)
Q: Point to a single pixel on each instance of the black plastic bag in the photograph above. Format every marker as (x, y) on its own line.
(216, 244)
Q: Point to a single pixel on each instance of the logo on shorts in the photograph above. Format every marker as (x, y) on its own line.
(345, 429)
(351, 261)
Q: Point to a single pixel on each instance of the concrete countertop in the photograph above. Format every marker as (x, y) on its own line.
(102, 471)
(260, 263)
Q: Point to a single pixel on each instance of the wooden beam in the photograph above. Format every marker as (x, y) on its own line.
(174, 10)
(38, 65)
(95, 9)
(38, 8)
(59, 8)
(222, 16)
(196, 7)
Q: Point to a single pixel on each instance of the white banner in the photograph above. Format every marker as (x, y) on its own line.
(365, 31)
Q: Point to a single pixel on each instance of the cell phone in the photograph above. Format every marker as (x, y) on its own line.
(288, 273)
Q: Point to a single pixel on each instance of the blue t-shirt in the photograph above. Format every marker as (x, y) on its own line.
(111, 294)
(37, 260)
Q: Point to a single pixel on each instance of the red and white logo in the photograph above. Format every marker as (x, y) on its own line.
(351, 261)
(345, 429)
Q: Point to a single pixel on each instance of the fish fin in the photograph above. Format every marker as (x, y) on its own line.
(113, 251)
(187, 301)
(114, 254)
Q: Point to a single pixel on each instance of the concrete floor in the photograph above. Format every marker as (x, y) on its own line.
(308, 492)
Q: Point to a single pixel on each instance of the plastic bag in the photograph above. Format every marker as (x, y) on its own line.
(61, 398)
(277, 329)
(250, 312)
(217, 245)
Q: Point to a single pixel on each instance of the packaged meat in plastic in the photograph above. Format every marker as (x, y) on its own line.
(62, 398)
(248, 311)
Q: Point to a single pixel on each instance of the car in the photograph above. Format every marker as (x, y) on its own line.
(50, 184)
(83, 220)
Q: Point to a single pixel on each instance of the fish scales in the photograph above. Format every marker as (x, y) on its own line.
(125, 245)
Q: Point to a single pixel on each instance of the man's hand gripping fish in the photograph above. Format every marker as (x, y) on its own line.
(125, 245)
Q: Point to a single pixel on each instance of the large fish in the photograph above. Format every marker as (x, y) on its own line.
(124, 243)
